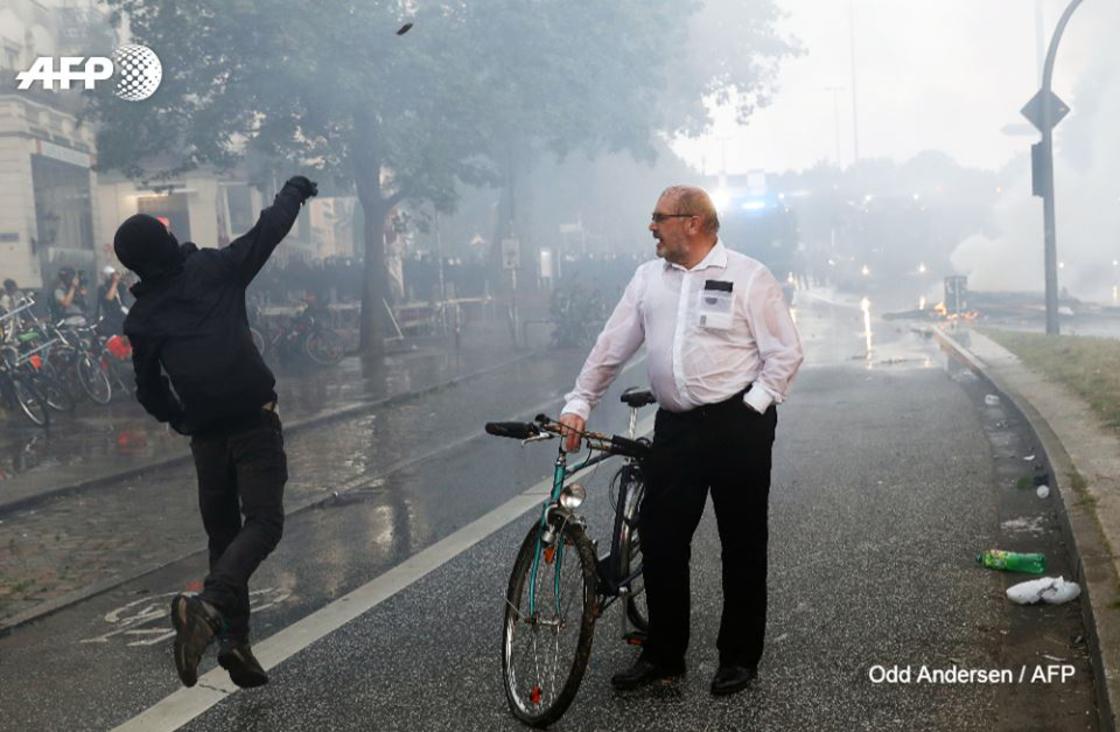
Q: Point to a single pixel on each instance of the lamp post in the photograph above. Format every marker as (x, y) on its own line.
(855, 106)
(1048, 117)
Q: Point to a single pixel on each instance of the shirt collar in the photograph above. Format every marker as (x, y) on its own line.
(716, 257)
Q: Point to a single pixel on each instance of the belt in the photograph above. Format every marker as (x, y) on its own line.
(705, 410)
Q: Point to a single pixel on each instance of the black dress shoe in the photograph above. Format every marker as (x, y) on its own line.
(731, 679)
(236, 656)
(643, 673)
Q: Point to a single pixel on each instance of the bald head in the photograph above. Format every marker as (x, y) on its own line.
(695, 200)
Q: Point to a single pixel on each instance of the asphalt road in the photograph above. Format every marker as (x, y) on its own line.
(890, 474)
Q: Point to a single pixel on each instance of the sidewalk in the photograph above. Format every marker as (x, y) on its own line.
(1085, 460)
(99, 445)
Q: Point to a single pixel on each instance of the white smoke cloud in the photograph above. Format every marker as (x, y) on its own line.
(1087, 181)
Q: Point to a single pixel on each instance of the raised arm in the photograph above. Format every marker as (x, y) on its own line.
(248, 252)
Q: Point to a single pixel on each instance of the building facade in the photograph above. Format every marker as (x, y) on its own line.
(48, 215)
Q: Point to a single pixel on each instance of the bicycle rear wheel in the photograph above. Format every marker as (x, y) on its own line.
(630, 547)
(545, 651)
(119, 373)
(324, 347)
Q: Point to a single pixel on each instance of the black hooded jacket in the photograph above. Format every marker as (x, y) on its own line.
(189, 320)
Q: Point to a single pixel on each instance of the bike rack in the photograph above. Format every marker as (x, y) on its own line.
(17, 311)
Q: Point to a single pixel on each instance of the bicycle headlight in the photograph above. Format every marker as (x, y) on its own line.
(572, 496)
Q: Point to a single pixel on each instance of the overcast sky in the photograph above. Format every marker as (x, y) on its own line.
(930, 74)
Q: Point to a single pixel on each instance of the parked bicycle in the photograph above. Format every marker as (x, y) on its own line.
(21, 395)
(559, 586)
(304, 334)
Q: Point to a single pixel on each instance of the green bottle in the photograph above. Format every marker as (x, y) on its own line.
(1012, 561)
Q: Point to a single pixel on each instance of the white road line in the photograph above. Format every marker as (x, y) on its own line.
(184, 705)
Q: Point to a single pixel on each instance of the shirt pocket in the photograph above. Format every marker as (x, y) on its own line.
(714, 312)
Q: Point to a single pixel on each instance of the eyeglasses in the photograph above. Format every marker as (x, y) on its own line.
(658, 217)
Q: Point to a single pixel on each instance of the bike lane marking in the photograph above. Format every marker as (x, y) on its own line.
(184, 705)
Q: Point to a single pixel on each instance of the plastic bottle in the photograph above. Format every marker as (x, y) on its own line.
(1012, 561)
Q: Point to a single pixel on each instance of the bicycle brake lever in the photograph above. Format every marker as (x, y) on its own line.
(537, 438)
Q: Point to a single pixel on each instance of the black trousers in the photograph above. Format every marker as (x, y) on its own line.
(241, 471)
(724, 448)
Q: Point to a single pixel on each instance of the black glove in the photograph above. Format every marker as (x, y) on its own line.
(304, 187)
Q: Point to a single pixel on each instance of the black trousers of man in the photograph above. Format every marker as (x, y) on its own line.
(241, 470)
(726, 448)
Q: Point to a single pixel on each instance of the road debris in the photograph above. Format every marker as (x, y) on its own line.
(1051, 590)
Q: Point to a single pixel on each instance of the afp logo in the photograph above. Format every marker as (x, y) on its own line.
(137, 69)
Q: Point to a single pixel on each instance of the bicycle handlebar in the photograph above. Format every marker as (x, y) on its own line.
(516, 430)
(629, 448)
(613, 444)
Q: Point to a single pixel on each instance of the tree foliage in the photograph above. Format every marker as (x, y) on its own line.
(331, 88)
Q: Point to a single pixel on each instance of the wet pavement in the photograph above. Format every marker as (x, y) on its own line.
(68, 543)
(890, 474)
(96, 442)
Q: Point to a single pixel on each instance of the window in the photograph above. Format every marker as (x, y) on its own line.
(63, 211)
(240, 209)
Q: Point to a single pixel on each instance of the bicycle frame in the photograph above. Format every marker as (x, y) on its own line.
(614, 585)
(560, 473)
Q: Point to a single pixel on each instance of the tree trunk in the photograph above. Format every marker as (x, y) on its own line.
(375, 208)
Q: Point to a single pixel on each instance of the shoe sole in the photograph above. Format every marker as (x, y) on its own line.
(238, 674)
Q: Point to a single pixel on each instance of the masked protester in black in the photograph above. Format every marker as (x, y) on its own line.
(189, 322)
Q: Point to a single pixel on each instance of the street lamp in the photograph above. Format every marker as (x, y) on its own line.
(1048, 115)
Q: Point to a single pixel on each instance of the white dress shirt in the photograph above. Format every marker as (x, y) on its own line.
(709, 331)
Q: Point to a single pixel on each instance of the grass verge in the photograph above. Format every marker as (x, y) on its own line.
(1088, 366)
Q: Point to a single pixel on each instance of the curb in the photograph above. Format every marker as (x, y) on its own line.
(1092, 559)
(290, 428)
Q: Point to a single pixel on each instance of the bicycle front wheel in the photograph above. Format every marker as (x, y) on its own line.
(32, 404)
(546, 644)
(57, 396)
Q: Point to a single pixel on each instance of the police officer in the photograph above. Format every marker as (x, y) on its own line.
(722, 351)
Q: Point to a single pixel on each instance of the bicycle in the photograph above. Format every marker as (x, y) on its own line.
(24, 353)
(23, 395)
(546, 643)
(304, 335)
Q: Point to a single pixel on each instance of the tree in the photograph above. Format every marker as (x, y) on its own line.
(473, 87)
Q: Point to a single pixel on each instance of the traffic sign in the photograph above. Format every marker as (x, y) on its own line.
(1032, 110)
(511, 255)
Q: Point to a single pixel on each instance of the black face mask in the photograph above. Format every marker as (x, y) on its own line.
(147, 248)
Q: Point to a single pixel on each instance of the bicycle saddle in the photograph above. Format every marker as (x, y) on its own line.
(635, 397)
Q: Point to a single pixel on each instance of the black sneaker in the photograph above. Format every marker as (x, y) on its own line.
(244, 669)
(196, 623)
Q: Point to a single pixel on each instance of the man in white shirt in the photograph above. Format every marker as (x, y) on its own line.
(722, 351)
